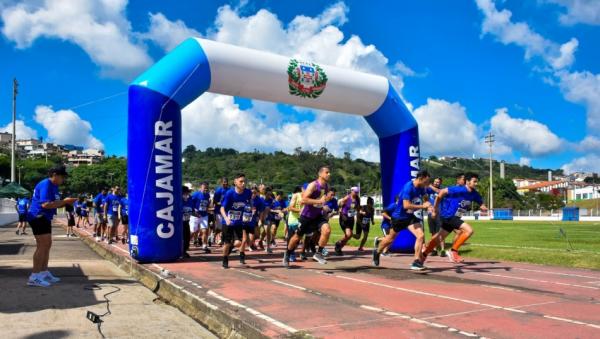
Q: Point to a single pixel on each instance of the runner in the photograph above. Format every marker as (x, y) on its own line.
(22, 206)
(277, 213)
(188, 208)
(454, 203)
(311, 217)
(434, 223)
(199, 219)
(255, 209)
(111, 211)
(350, 206)
(85, 211)
(386, 223)
(77, 206)
(266, 217)
(365, 218)
(232, 208)
(44, 203)
(124, 216)
(70, 212)
(294, 219)
(403, 216)
(99, 220)
(217, 198)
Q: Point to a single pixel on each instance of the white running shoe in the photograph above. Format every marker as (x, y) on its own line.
(49, 277)
(37, 281)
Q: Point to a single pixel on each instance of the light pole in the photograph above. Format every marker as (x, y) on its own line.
(111, 179)
(20, 174)
(489, 139)
(14, 130)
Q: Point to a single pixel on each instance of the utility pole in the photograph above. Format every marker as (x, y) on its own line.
(489, 139)
(14, 129)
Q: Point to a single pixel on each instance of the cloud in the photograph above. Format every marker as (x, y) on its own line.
(583, 88)
(523, 161)
(246, 130)
(66, 127)
(588, 163)
(579, 11)
(499, 24)
(168, 34)
(22, 131)
(445, 129)
(99, 27)
(524, 135)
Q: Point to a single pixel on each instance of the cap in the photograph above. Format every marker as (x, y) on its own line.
(355, 189)
(58, 170)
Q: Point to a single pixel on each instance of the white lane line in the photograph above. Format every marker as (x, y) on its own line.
(248, 273)
(202, 300)
(253, 312)
(536, 280)
(577, 322)
(531, 248)
(555, 273)
(417, 320)
(289, 285)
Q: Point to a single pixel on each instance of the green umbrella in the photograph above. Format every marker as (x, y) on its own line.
(13, 190)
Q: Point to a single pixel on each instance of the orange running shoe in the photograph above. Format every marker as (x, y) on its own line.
(453, 257)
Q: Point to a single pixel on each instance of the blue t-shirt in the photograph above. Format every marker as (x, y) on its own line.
(22, 205)
(124, 206)
(388, 210)
(187, 208)
(99, 201)
(411, 193)
(333, 205)
(235, 206)
(259, 204)
(45, 191)
(200, 203)
(432, 196)
(276, 207)
(112, 202)
(458, 200)
(219, 194)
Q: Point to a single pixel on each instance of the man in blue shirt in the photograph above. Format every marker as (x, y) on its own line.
(99, 220)
(276, 214)
(187, 210)
(124, 216)
(201, 204)
(454, 202)
(44, 202)
(111, 210)
(233, 207)
(217, 199)
(403, 216)
(256, 209)
(22, 206)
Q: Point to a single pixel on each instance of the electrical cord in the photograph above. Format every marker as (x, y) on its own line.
(98, 318)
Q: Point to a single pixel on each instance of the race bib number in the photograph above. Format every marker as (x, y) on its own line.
(203, 206)
(277, 216)
(247, 217)
(318, 206)
(460, 212)
(235, 215)
(115, 208)
(366, 221)
(351, 213)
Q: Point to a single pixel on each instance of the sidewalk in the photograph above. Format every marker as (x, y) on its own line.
(59, 311)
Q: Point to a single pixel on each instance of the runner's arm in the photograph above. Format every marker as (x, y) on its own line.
(306, 196)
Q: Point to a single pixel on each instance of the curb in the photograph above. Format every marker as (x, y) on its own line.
(222, 321)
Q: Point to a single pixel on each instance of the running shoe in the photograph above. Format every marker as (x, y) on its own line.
(286, 259)
(376, 254)
(293, 257)
(338, 250)
(37, 282)
(49, 277)
(325, 252)
(303, 256)
(225, 262)
(453, 257)
(443, 254)
(269, 250)
(243, 258)
(206, 250)
(417, 266)
(318, 257)
(17, 232)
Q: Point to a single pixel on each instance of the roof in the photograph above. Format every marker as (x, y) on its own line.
(541, 185)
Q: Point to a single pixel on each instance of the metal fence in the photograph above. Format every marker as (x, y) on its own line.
(583, 212)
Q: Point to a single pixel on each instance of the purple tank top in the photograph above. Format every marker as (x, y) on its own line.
(349, 207)
(314, 211)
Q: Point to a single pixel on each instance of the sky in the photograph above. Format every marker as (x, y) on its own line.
(528, 71)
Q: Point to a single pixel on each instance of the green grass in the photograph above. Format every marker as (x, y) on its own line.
(524, 241)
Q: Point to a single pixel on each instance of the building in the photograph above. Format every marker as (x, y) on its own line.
(5, 137)
(584, 192)
(525, 182)
(554, 187)
(85, 157)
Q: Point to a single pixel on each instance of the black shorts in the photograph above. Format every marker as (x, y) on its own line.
(40, 225)
(400, 224)
(451, 224)
(249, 228)
(362, 227)
(275, 222)
(346, 222)
(308, 226)
(232, 233)
(78, 211)
(434, 224)
(22, 217)
(211, 218)
(124, 219)
(71, 219)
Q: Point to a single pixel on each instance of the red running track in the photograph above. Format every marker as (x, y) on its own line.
(349, 298)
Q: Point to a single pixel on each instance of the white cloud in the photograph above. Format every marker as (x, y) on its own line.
(579, 11)
(168, 34)
(589, 144)
(499, 24)
(66, 127)
(589, 163)
(445, 129)
(22, 131)
(100, 28)
(584, 88)
(524, 135)
(523, 161)
(216, 120)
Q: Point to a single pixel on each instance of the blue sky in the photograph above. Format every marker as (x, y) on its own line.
(527, 70)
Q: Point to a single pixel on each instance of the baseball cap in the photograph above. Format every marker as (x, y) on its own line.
(355, 189)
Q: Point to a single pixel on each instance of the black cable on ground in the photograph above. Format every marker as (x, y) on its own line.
(97, 287)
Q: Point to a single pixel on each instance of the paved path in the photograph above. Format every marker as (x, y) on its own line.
(59, 311)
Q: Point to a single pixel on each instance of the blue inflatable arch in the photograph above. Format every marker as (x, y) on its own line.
(197, 66)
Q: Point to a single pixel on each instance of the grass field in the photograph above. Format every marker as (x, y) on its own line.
(539, 242)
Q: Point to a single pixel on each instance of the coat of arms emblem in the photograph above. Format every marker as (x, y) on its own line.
(306, 79)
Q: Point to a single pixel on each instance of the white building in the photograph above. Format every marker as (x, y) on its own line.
(585, 192)
(86, 157)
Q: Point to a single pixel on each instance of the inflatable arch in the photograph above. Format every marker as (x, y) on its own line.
(196, 66)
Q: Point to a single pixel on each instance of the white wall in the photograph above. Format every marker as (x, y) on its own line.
(8, 218)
